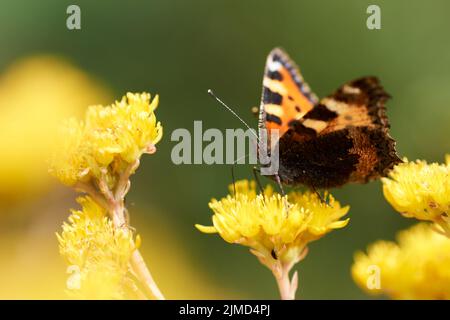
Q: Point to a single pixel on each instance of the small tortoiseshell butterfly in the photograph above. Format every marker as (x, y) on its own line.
(324, 144)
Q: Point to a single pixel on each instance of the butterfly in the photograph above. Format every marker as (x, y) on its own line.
(325, 143)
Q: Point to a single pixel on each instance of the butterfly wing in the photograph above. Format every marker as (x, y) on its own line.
(344, 138)
(359, 103)
(285, 96)
(360, 108)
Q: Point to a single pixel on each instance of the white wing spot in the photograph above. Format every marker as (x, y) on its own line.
(274, 65)
(351, 90)
(317, 125)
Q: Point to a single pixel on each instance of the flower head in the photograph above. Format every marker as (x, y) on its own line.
(274, 227)
(71, 162)
(420, 190)
(98, 252)
(112, 136)
(418, 267)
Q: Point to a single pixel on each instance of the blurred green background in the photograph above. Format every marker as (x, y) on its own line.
(179, 49)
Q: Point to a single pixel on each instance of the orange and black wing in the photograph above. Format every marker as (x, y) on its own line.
(344, 138)
(286, 97)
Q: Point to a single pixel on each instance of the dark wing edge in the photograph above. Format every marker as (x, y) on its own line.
(368, 92)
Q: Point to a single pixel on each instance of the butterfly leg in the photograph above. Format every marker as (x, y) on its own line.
(319, 195)
(278, 180)
(283, 194)
(234, 181)
(255, 174)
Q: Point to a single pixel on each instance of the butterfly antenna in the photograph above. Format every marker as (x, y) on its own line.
(211, 93)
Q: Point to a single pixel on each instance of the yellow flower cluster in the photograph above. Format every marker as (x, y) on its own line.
(275, 228)
(420, 190)
(97, 253)
(418, 267)
(112, 136)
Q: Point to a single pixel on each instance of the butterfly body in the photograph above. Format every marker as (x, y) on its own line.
(324, 144)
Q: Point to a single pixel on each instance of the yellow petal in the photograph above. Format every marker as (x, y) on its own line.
(206, 229)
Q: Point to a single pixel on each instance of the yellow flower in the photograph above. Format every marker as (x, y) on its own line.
(420, 190)
(275, 228)
(127, 129)
(418, 267)
(70, 162)
(96, 252)
(114, 136)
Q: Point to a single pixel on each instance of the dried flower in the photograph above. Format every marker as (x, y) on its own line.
(277, 229)
(97, 156)
(99, 252)
(114, 136)
(417, 267)
(420, 190)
